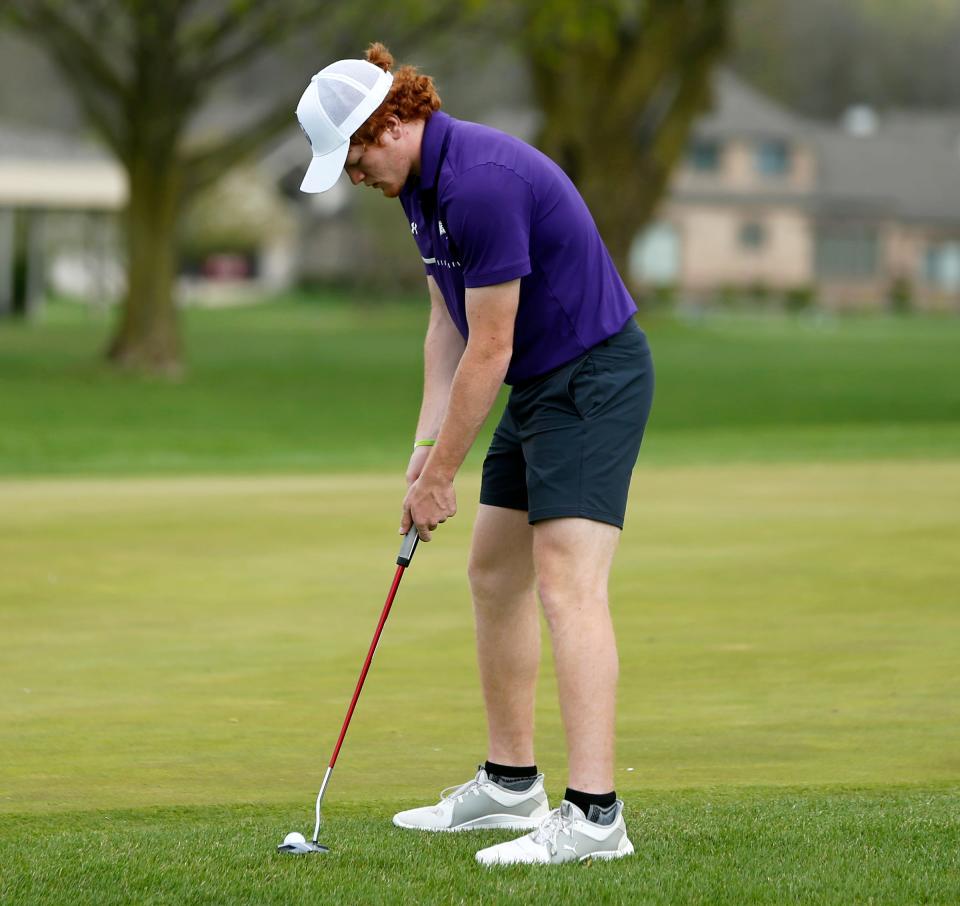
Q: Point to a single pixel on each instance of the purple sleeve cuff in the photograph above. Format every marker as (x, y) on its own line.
(501, 275)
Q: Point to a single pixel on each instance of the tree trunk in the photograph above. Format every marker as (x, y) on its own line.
(620, 193)
(617, 231)
(147, 336)
(8, 239)
(616, 113)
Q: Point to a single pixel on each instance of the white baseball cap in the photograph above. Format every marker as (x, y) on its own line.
(338, 101)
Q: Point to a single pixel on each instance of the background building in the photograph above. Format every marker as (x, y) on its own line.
(58, 201)
(767, 202)
(767, 205)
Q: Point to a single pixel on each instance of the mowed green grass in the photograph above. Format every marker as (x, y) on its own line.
(178, 645)
(333, 383)
(178, 654)
(699, 847)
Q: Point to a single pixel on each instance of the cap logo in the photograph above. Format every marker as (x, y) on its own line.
(304, 131)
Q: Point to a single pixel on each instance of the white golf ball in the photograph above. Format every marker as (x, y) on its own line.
(294, 837)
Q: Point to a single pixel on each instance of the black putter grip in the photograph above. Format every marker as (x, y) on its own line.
(408, 546)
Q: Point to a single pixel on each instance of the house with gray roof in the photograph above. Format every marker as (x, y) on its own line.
(936, 128)
(770, 202)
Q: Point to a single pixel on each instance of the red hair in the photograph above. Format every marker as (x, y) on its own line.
(412, 97)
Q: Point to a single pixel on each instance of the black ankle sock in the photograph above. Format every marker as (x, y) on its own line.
(511, 772)
(516, 779)
(591, 804)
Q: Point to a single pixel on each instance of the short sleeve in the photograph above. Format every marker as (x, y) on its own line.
(488, 212)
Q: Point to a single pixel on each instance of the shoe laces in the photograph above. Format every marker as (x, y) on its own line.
(458, 792)
(551, 827)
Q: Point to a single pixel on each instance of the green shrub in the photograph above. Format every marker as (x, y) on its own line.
(758, 293)
(900, 296)
(799, 299)
(726, 296)
(658, 298)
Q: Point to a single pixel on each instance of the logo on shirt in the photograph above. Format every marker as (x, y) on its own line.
(413, 227)
(441, 262)
(443, 229)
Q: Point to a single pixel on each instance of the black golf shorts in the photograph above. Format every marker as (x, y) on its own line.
(568, 440)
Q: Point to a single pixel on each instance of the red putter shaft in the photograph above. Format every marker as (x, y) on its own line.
(407, 548)
(366, 664)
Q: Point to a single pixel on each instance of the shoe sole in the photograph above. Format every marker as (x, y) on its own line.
(603, 855)
(488, 822)
(618, 853)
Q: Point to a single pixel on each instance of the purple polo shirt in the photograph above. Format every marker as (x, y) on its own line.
(488, 208)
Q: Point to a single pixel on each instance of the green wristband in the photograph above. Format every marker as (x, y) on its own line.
(424, 442)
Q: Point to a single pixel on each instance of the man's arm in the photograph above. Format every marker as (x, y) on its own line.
(442, 349)
(491, 313)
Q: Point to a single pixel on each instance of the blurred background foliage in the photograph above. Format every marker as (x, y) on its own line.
(237, 212)
(185, 92)
(819, 56)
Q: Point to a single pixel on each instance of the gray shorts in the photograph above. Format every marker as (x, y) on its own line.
(568, 440)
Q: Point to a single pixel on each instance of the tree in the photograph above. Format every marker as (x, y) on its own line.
(619, 83)
(141, 70)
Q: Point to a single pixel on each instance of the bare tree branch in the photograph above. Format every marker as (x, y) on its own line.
(209, 58)
(206, 166)
(102, 108)
(47, 21)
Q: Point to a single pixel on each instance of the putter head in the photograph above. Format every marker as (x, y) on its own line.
(296, 844)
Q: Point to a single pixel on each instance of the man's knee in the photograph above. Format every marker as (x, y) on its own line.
(568, 590)
(481, 572)
(561, 580)
(564, 602)
(499, 578)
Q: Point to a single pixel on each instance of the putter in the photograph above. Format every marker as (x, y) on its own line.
(295, 842)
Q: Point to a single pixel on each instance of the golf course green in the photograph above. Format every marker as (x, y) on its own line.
(192, 571)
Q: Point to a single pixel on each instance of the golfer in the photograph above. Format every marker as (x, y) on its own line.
(522, 291)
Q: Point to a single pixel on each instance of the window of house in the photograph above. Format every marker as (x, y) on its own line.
(753, 235)
(655, 255)
(941, 265)
(703, 155)
(772, 158)
(847, 252)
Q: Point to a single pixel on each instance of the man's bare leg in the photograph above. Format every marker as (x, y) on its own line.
(508, 630)
(573, 559)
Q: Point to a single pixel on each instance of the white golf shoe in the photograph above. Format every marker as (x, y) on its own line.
(480, 804)
(564, 835)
